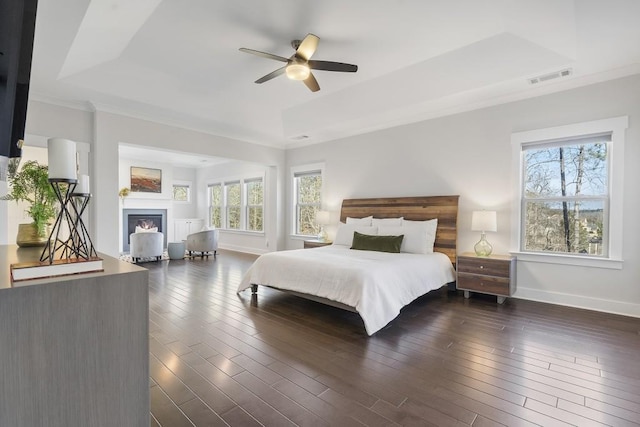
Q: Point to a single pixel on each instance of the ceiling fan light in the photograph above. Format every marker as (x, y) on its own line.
(297, 71)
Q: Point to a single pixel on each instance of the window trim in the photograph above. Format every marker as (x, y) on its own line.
(225, 198)
(297, 170)
(209, 205)
(246, 204)
(188, 185)
(616, 126)
(222, 182)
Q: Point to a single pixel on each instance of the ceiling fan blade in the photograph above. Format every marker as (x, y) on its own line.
(272, 75)
(312, 83)
(332, 66)
(264, 54)
(307, 46)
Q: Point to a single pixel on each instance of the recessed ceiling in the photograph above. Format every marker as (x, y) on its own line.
(178, 62)
(175, 158)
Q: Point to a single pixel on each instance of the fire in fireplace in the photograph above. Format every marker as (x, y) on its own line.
(148, 219)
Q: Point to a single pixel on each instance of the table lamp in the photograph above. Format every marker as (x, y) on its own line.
(483, 221)
(323, 218)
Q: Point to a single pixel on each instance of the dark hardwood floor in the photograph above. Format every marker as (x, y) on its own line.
(218, 358)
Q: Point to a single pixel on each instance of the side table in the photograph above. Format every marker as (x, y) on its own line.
(176, 250)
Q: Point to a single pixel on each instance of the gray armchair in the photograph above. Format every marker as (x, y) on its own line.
(203, 242)
(146, 245)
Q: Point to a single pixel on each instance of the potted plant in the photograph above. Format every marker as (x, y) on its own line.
(30, 184)
(124, 192)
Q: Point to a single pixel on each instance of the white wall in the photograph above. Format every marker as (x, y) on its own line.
(467, 154)
(112, 129)
(470, 154)
(186, 209)
(104, 131)
(11, 213)
(250, 242)
(137, 200)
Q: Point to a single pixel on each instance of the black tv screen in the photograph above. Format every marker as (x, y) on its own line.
(17, 27)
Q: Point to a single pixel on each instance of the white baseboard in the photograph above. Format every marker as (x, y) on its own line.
(244, 249)
(577, 301)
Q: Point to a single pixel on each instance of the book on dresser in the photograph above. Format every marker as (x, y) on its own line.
(59, 267)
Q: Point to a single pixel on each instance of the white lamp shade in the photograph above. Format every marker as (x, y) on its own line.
(62, 159)
(484, 221)
(323, 217)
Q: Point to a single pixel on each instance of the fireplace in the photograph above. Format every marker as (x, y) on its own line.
(143, 218)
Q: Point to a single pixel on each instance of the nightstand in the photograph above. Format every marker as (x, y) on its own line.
(493, 275)
(315, 244)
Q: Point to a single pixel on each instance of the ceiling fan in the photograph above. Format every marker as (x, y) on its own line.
(300, 64)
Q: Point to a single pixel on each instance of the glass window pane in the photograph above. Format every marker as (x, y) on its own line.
(215, 205)
(254, 220)
(309, 188)
(254, 193)
(581, 169)
(216, 216)
(233, 194)
(307, 220)
(233, 217)
(570, 227)
(216, 194)
(181, 193)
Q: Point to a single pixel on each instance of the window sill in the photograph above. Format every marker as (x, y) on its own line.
(304, 236)
(577, 260)
(245, 232)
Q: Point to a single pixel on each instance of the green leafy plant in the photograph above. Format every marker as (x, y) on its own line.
(124, 192)
(30, 184)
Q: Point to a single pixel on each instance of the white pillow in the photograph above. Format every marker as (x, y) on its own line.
(146, 230)
(430, 226)
(387, 222)
(415, 238)
(344, 235)
(360, 221)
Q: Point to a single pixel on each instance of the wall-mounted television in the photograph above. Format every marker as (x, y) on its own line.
(17, 27)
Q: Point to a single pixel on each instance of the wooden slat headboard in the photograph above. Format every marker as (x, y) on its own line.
(445, 208)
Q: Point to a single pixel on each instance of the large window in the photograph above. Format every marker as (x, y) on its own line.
(565, 196)
(569, 180)
(307, 192)
(233, 204)
(255, 204)
(215, 205)
(237, 204)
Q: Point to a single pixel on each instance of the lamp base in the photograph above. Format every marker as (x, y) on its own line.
(483, 248)
(322, 235)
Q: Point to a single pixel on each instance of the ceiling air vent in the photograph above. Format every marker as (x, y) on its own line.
(551, 76)
(299, 137)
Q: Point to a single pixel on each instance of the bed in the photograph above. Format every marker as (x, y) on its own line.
(374, 284)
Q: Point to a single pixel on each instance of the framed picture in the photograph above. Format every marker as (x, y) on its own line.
(145, 180)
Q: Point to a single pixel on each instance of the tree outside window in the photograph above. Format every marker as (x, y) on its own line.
(255, 204)
(233, 204)
(215, 205)
(565, 196)
(181, 193)
(308, 190)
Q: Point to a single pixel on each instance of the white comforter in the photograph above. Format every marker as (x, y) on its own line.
(376, 284)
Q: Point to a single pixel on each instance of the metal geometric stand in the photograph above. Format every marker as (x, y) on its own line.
(74, 242)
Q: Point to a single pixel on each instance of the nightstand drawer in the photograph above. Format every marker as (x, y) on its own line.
(485, 266)
(485, 284)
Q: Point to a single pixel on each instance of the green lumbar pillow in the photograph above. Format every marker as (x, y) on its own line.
(367, 242)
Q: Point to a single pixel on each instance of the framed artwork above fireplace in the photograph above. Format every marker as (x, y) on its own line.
(146, 180)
